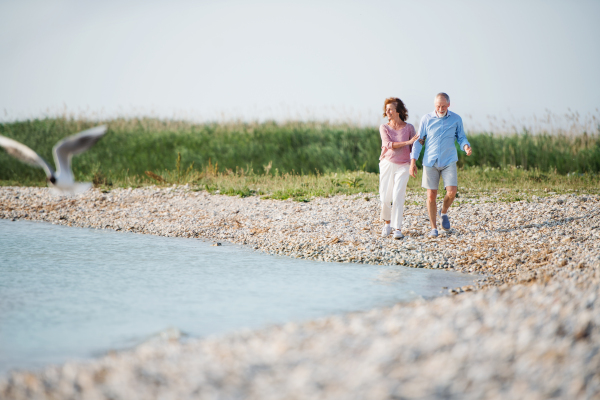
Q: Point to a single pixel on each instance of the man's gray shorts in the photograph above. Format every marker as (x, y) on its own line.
(431, 176)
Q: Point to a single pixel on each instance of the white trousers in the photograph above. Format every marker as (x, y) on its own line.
(392, 191)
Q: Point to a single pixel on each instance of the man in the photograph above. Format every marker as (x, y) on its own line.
(441, 128)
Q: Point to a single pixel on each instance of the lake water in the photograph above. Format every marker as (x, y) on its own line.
(73, 293)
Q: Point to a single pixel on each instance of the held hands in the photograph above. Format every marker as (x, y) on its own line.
(467, 149)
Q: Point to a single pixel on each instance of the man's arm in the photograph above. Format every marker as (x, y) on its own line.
(417, 147)
(413, 168)
(461, 138)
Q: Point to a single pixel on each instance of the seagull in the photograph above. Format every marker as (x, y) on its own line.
(61, 180)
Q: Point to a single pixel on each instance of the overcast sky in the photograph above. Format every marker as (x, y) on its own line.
(337, 60)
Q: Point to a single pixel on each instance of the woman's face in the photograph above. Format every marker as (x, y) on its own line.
(390, 111)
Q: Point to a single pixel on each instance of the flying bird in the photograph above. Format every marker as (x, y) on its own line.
(62, 179)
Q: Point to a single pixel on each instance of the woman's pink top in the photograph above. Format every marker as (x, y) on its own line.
(389, 135)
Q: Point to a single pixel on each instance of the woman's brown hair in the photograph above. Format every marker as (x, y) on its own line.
(400, 108)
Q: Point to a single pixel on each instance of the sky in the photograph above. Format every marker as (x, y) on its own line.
(299, 60)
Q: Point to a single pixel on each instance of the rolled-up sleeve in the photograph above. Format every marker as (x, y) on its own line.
(410, 136)
(386, 141)
(461, 137)
(417, 146)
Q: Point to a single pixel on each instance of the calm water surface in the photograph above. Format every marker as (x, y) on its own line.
(72, 293)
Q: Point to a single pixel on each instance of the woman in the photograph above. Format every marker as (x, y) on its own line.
(397, 138)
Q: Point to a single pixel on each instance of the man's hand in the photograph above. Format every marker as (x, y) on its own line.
(468, 149)
(413, 168)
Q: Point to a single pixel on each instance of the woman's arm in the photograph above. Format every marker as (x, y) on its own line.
(397, 145)
(386, 141)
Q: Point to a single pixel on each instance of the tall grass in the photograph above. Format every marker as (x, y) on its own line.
(144, 144)
(546, 152)
(133, 146)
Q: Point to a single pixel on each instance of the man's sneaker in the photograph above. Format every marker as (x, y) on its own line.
(445, 220)
(398, 234)
(433, 233)
(386, 231)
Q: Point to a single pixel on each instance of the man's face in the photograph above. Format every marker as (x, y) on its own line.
(441, 105)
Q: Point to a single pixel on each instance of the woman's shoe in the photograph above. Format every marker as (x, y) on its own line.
(398, 234)
(386, 231)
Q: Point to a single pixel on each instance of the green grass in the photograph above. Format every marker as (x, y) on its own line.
(512, 184)
(294, 160)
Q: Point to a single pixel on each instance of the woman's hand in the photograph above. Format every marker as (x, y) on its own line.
(413, 139)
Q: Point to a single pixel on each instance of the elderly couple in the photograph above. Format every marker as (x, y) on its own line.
(399, 159)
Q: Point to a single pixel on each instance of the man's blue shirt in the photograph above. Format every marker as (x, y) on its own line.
(440, 134)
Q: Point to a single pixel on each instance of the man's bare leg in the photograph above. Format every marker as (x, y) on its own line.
(449, 198)
(432, 207)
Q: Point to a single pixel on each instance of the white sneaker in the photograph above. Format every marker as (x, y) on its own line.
(398, 234)
(386, 231)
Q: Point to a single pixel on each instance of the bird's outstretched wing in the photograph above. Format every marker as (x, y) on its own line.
(76, 144)
(25, 154)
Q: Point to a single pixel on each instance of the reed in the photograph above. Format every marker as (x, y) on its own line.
(558, 153)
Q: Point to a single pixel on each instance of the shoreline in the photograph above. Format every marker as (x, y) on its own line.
(539, 263)
(507, 242)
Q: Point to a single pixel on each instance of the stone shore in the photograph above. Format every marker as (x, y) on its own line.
(529, 328)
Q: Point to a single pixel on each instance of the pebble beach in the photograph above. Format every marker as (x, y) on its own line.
(528, 329)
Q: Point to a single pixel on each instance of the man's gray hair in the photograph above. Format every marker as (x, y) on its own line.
(444, 95)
